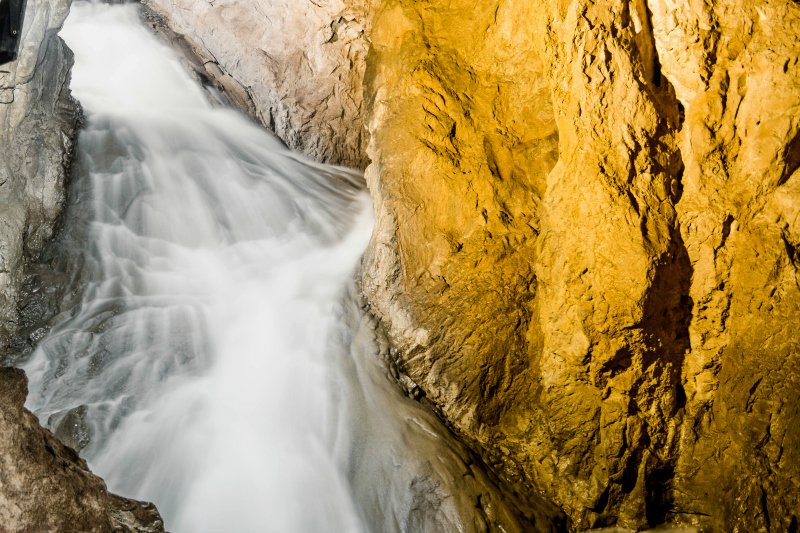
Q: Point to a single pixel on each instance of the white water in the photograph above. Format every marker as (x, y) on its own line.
(217, 259)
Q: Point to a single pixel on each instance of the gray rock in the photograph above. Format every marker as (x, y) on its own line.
(295, 66)
(71, 428)
(38, 118)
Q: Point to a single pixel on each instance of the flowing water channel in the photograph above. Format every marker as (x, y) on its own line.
(216, 259)
(213, 353)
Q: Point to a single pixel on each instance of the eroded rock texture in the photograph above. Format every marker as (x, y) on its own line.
(586, 241)
(295, 66)
(46, 486)
(37, 125)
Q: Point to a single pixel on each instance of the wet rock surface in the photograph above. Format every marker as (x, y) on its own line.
(38, 119)
(71, 428)
(408, 470)
(46, 486)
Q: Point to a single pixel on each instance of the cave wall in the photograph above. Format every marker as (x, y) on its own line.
(516, 250)
(586, 237)
(586, 246)
(296, 66)
(735, 69)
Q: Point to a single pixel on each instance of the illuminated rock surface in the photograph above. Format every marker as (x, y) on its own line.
(587, 221)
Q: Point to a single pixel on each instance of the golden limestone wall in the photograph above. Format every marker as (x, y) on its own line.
(587, 221)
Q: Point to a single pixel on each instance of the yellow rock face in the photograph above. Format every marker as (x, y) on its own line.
(587, 221)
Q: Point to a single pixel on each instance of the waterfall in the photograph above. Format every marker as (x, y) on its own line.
(215, 260)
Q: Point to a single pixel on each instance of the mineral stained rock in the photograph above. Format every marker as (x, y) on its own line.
(46, 486)
(587, 228)
(38, 118)
(294, 65)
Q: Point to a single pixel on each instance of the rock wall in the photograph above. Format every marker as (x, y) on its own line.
(296, 66)
(46, 486)
(586, 246)
(585, 251)
(406, 468)
(38, 118)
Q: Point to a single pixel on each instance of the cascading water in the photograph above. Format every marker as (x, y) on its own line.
(213, 352)
(216, 260)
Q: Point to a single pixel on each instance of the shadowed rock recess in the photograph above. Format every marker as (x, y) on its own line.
(588, 217)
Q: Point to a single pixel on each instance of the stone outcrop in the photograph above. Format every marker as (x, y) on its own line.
(586, 243)
(295, 66)
(46, 486)
(38, 118)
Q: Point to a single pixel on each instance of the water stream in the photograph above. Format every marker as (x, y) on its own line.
(216, 260)
(213, 353)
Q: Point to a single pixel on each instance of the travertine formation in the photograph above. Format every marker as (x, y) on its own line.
(37, 126)
(294, 65)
